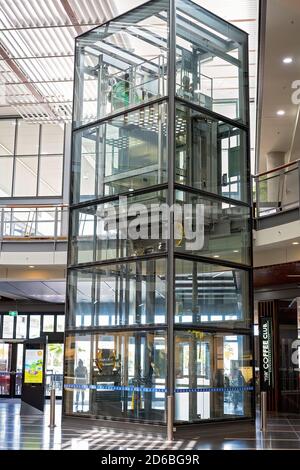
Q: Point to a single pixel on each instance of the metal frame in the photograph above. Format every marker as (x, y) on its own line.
(38, 156)
(171, 186)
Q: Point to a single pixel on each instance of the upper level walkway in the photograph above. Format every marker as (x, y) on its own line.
(35, 235)
(276, 211)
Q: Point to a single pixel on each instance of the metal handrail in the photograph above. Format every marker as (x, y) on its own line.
(38, 221)
(277, 190)
(281, 167)
(31, 206)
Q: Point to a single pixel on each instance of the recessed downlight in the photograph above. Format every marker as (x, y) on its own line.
(295, 243)
(280, 112)
(287, 60)
(216, 256)
(31, 266)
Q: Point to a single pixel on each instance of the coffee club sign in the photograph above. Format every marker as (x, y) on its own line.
(266, 353)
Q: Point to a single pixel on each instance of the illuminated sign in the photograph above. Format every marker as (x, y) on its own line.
(13, 313)
(266, 353)
(34, 366)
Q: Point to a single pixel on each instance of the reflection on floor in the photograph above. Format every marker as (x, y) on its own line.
(20, 432)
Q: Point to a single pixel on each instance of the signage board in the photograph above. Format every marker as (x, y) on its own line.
(34, 366)
(266, 354)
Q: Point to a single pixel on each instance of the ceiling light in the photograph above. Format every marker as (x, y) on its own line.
(281, 112)
(235, 251)
(31, 266)
(295, 243)
(287, 60)
(216, 256)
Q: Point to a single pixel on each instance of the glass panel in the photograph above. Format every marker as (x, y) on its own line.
(50, 175)
(7, 136)
(54, 368)
(211, 61)
(210, 154)
(21, 331)
(27, 138)
(123, 154)
(35, 326)
(25, 176)
(208, 293)
(99, 232)
(19, 369)
(5, 367)
(19, 222)
(122, 63)
(212, 228)
(6, 165)
(212, 360)
(60, 323)
(52, 139)
(48, 323)
(45, 222)
(8, 326)
(119, 294)
(113, 362)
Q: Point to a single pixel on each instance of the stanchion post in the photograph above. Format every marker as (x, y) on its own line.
(263, 411)
(52, 408)
(170, 412)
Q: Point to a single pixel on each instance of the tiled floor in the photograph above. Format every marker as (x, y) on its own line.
(24, 432)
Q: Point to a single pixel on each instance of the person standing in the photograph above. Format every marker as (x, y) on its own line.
(81, 375)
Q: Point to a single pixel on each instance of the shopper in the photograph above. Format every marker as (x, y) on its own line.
(81, 375)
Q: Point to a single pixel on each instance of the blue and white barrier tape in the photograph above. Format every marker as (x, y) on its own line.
(151, 389)
(6, 372)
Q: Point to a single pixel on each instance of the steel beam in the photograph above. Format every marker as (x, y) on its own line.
(72, 16)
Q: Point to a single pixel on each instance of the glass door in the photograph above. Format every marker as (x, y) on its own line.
(5, 369)
(54, 368)
(19, 369)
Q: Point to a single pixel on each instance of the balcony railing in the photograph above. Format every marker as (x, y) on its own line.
(35, 222)
(277, 190)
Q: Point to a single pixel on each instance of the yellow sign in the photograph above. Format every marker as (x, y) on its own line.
(34, 366)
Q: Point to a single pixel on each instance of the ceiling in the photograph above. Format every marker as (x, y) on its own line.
(37, 50)
(279, 133)
(46, 291)
(279, 274)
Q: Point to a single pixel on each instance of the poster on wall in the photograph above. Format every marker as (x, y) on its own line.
(34, 366)
(266, 353)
